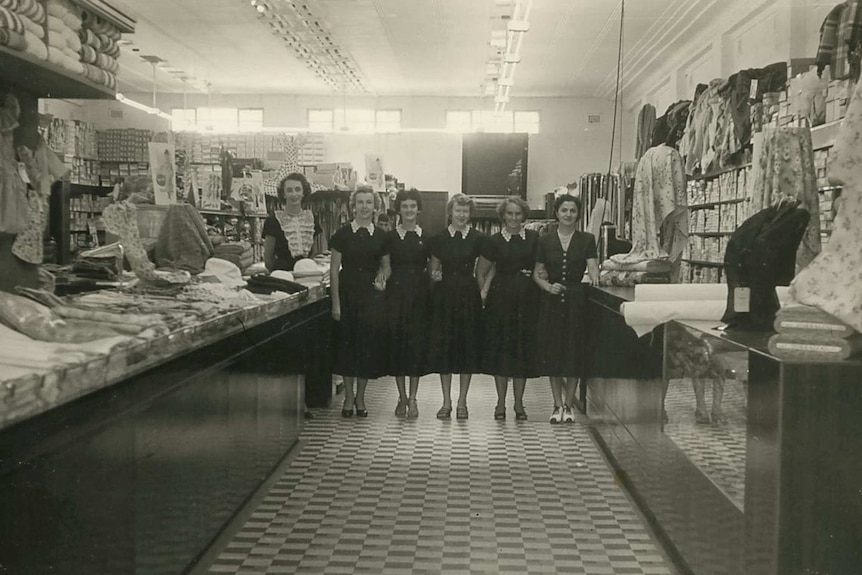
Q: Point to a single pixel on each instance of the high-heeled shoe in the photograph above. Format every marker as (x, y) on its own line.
(361, 412)
(500, 413)
(412, 409)
(345, 412)
(520, 414)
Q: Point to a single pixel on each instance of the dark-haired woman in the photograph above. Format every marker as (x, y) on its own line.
(511, 305)
(407, 294)
(561, 259)
(288, 233)
(455, 328)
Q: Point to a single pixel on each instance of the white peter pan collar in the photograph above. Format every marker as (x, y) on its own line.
(508, 237)
(402, 232)
(464, 234)
(356, 227)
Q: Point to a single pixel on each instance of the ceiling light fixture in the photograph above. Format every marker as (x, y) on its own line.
(143, 107)
(507, 36)
(310, 40)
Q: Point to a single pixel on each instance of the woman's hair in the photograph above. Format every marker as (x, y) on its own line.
(296, 177)
(364, 190)
(459, 200)
(404, 195)
(567, 198)
(501, 207)
(383, 218)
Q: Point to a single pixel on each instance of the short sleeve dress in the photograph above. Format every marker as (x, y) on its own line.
(407, 301)
(562, 330)
(512, 306)
(294, 236)
(455, 329)
(360, 340)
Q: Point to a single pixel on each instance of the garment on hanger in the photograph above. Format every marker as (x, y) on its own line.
(832, 281)
(783, 166)
(660, 213)
(646, 125)
(14, 211)
(43, 169)
(826, 53)
(738, 91)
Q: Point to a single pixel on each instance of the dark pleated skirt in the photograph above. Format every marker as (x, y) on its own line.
(455, 327)
(407, 308)
(360, 349)
(510, 317)
(562, 333)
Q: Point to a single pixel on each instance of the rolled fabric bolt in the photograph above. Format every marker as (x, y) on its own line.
(795, 346)
(692, 292)
(645, 316)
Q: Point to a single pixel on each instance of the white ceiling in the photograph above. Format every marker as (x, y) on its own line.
(402, 47)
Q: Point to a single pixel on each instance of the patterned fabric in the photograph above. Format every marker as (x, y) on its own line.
(831, 282)
(660, 215)
(11, 21)
(784, 168)
(43, 168)
(291, 146)
(14, 210)
(828, 41)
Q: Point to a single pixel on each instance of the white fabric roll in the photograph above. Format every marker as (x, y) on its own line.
(681, 292)
(643, 317)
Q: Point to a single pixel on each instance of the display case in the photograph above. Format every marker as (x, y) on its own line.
(743, 462)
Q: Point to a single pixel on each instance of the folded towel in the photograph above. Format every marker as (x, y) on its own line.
(792, 346)
(11, 21)
(13, 40)
(88, 38)
(36, 29)
(35, 46)
(9, 5)
(654, 266)
(810, 321)
(88, 55)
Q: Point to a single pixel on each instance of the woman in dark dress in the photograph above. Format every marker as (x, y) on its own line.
(288, 233)
(357, 300)
(561, 259)
(455, 344)
(511, 304)
(407, 290)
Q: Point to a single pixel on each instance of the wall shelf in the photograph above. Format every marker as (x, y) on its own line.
(705, 264)
(707, 205)
(46, 80)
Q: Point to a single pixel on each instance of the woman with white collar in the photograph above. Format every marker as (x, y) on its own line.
(455, 344)
(511, 304)
(357, 300)
(404, 271)
(289, 232)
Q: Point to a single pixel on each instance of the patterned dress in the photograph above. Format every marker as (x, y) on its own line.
(455, 331)
(562, 331)
(511, 307)
(360, 346)
(407, 300)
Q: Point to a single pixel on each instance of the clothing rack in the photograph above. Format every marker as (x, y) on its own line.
(609, 187)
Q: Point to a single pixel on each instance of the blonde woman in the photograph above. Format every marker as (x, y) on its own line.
(455, 334)
(357, 300)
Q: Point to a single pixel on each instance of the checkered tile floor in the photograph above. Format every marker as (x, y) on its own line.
(390, 496)
(718, 450)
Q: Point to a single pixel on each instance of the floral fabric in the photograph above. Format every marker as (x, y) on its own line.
(784, 169)
(660, 213)
(832, 281)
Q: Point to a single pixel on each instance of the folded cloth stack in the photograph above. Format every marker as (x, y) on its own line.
(64, 46)
(11, 26)
(806, 332)
(99, 50)
(620, 278)
(240, 253)
(183, 242)
(630, 274)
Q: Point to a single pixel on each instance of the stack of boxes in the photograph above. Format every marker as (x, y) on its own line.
(124, 145)
(838, 94)
(206, 148)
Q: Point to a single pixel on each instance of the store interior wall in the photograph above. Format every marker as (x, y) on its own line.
(567, 146)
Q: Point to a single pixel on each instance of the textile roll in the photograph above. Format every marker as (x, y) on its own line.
(808, 321)
(794, 346)
(644, 316)
(692, 292)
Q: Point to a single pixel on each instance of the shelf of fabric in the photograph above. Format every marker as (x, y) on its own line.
(122, 21)
(713, 175)
(46, 80)
(823, 136)
(704, 263)
(708, 205)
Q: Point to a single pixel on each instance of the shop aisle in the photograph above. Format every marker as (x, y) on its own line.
(391, 496)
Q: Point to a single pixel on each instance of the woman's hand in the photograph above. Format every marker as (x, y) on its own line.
(484, 294)
(380, 282)
(556, 289)
(336, 311)
(437, 275)
(595, 281)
